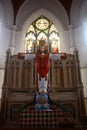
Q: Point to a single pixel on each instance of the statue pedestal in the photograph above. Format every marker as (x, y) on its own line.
(42, 102)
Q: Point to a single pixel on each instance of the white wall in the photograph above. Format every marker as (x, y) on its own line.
(65, 46)
(19, 45)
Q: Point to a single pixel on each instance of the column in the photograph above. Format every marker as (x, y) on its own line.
(55, 76)
(25, 74)
(12, 38)
(14, 78)
(20, 75)
(49, 79)
(72, 41)
(34, 74)
(31, 77)
(70, 76)
(65, 75)
(58, 77)
(26, 77)
(7, 67)
(78, 71)
(52, 70)
(50, 74)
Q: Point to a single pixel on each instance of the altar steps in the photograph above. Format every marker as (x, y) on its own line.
(43, 119)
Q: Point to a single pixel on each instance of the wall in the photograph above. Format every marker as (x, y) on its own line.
(19, 45)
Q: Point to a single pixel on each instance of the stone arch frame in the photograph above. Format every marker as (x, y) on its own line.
(53, 6)
(47, 14)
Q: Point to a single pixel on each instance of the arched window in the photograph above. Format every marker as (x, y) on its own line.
(42, 28)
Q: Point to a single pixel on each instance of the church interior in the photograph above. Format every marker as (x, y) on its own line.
(43, 64)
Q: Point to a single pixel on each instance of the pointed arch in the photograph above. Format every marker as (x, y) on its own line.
(52, 6)
(47, 14)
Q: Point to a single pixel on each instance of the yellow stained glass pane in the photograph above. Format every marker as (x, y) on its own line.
(42, 24)
(30, 36)
(37, 31)
(53, 36)
(31, 28)
(42, 35)
(42, 28)
(46, 31)
(53, 29)
(55, 42)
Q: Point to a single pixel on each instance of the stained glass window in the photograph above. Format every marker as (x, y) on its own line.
(42, 24)
(42, 28)
(52, 28)
(31, 28)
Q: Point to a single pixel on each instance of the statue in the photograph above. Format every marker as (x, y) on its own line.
(42, 67)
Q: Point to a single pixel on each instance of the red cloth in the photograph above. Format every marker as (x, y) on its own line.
(42, 64)
(48, 119)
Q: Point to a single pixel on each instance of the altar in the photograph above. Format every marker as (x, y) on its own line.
(19, 86)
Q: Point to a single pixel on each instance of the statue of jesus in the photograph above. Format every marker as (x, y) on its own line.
(42, 65)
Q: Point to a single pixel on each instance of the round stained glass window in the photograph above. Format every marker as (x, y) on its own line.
(42, 24)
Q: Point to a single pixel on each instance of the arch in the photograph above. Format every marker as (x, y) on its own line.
(47, 14)
(29, 8)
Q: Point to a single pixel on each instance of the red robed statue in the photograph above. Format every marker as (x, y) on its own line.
(42, 65)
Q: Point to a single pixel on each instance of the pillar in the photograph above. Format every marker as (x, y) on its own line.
(70, 76)
(58, 77)
(31, 73)
(14, 79)
(72, 40)
(6, 73)
(65, 75)
(12, 38)
(26, 77)
(20, 75)
(53, 78)
(78, 71)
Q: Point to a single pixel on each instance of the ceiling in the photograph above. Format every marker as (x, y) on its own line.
(17, 3)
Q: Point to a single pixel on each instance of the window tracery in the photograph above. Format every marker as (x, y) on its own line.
(42, 28)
